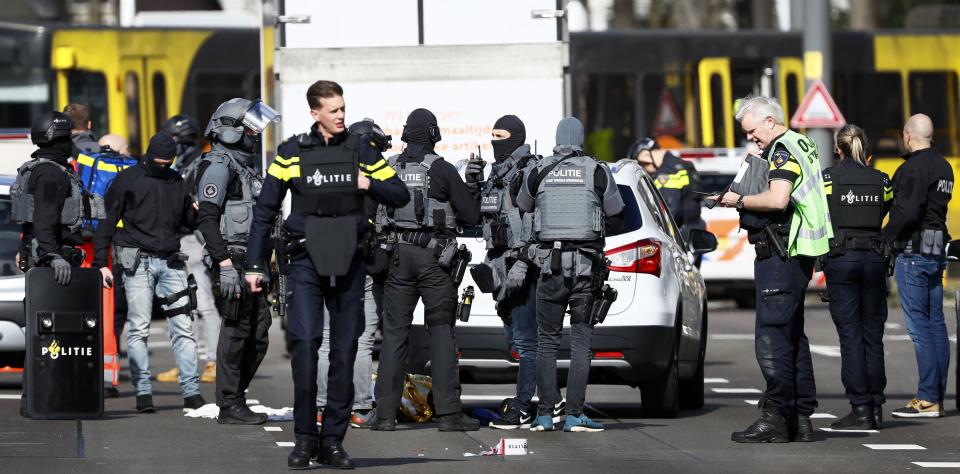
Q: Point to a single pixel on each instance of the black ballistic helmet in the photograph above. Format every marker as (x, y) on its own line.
(371, 131)
(50, 126)
(183, 128)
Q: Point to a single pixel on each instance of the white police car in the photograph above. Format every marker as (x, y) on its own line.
(12, 320)
(654, 336)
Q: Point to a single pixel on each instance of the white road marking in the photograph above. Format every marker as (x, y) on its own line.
(12, 396)
(896, 337)
(892, 325)
(736, 390)
(822, 415)
(272, 428)
(937, 464)
(253, 402)
(831, 430)
(286, 444)
(731, 337)
(715, 380)
(895, 446)
(752, 402)
(829, 351)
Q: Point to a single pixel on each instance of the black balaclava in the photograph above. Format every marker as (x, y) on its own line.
(161, 146)
(416, 134)
(518, 136)
(59, 150)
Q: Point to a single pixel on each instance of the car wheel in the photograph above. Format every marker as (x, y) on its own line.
(691, 390)
(660, 398)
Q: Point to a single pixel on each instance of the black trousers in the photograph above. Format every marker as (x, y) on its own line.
(241, 348)
(781, 345)
(857, 285)
(343, 299)
(417, 274)
(554, 295)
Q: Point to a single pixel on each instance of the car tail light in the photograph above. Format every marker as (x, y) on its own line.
(608, 355)
(642, 256)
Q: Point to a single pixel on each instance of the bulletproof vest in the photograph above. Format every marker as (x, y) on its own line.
(856, 202)
(504, 226)
(79, 205)
(238, 212)
(328, 180)
(567, 205)
(422, 211)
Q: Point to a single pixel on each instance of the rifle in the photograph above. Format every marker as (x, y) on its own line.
(280, 274)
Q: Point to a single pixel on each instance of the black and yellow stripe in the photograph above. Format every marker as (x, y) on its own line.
(379, 171)
(285, 169)
(678, 180)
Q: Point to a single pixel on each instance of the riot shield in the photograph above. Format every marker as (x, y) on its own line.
(64, 363)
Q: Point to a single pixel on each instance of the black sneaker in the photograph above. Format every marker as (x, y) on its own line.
(457, 422)
(769, 428)
(513, 416)
(145, 404)
(558, 410)
(237, 414)
(193, 402)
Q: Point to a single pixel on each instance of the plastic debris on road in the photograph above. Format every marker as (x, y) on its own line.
(506, 447)
(211, 410)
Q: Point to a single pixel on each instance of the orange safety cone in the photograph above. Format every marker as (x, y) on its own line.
(111, 360)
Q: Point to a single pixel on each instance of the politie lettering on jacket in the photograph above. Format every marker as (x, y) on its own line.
(945, 186)
(565, 176)
(318, 179)
(852, 198)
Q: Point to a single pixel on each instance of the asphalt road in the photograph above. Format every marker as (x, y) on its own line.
(697, 441)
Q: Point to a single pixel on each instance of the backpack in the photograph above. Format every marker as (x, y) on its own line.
(98, 170)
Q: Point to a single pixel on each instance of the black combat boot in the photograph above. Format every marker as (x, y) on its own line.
(878, 416)
(458, 422)
(801, 429)
(383, 424)
(335, 456)
(859, 418)
(304, 454)
(240, 414)
(769, 428)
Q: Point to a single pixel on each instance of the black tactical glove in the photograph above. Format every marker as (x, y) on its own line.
(229, 281)
(61, 270)
(474, 171)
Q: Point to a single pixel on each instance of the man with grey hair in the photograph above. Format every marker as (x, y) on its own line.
(789, 226)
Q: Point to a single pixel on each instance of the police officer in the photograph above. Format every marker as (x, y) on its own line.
(147, 204)
(922, 186)
(575, 202)
(789, 225)
(425, 227)
(676, 179)
(856, 269)
(329, 173)
(184, 130)
(227, 187)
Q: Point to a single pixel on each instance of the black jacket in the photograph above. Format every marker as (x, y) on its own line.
(50, 187)
(677, 180)
(922, 187)
(152, 206)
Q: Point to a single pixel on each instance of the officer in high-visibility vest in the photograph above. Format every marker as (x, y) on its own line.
(789, 225)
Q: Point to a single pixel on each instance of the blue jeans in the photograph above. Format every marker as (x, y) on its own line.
(363, 365)
(920, 284)
(522, 337)
(153, 277)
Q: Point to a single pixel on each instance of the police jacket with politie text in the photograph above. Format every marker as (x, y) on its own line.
(50, 186)
(922, 188)
(226, 188)
(284, 174)
(859, 198)
(146, 206)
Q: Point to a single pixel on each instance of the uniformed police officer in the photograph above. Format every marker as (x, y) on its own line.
(424, 228)
(575, 202)
(184, 130)
(328, 172)
(922, 186)
(789, 225)
(676, 179)
(227, 187)
(856, 269)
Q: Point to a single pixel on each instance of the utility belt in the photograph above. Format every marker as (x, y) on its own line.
(450, 256)
(129, 257)
(769, 242)
(840, 245)
(925, 242)
(566, 259)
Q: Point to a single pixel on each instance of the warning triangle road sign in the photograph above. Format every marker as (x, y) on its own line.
(818, 110)
(668, 120)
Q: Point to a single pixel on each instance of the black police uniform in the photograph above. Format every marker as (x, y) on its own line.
(50, 186)
(414, 273)
(304, 165)
(677, 181)
(226, 188)
(856, 269)
(914, 208)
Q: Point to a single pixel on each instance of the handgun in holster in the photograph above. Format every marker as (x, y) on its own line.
(603, 294)
(460, 262)
(775, 244)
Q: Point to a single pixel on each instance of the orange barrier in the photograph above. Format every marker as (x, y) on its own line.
(111, 360)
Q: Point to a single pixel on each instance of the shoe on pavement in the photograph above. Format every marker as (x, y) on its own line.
(145, 404)
(919, 409)
(193, 402)
(240, 414)
(383, 424)
(304, 454)
(542, 423)
(581, 424)
(513, 415)
(457, 422)
(209, 374)
(801, 430)
(878, 416)
(859, 418)
(769, 428)
(111, 392)
(170, 376)
(335, 456)
(361, 420)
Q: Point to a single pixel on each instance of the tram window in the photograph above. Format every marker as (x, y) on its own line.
(791, 92)
(90, 88)
(131, 91)
(609, 120)
(930, 94)
(877, 107)
(716, 97)
(159, 99)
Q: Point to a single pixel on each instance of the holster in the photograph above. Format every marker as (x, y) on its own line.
(128, 257)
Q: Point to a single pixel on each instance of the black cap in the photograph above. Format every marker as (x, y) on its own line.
(183, 128)
(50, 126)
(161, 146)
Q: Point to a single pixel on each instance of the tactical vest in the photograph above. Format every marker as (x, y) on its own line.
(567, 205)
(856, 202)
(503, 225)
(328, 180)
(238, 213)
(422, 211)
(79, 206)
(810, 227)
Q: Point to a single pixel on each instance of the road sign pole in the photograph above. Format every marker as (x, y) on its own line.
(818, 65)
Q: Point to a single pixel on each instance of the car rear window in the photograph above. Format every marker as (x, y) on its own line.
(9, 239)
(631, 210)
